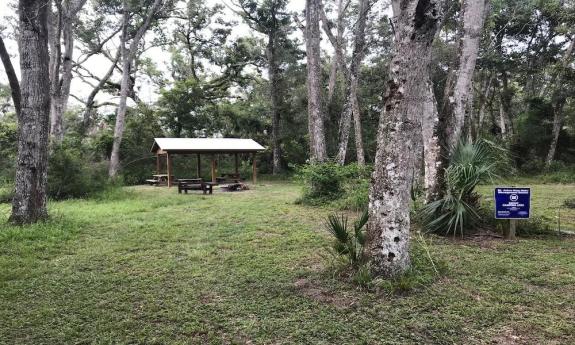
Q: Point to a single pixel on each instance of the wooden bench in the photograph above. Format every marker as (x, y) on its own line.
(194, 184)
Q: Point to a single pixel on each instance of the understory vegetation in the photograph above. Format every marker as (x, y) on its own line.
(150, 266)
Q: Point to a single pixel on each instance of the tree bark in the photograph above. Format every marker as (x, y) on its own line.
(12, 78)
(318, 151)
(473, 19)
(415, 23)
(352, 83)
(128, 55)
(29, 203)
(433, 150)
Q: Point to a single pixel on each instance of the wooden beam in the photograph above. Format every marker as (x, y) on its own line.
(169, 163)
(199, 166)
(237, 163)
(213, 168)
(254, 169)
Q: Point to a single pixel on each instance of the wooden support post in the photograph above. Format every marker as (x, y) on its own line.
(199, 167)
(157, 164)
(512, 227)
(213, 168)
(169, 163)
(237, 163)
(254, 169)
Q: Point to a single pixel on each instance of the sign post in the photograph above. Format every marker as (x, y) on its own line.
(512, 203)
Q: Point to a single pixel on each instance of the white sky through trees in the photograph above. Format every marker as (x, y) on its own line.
(97, 64)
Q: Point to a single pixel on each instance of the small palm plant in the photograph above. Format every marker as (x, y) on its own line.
(471, 163)
(348, 243)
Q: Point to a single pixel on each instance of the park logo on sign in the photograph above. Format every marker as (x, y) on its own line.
(512, 203)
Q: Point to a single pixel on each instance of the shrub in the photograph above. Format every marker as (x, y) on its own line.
(470, 164)
(322, 182)
(73, 174)
(569, 203)
(328, 182)
(348, 243)
(6, 192)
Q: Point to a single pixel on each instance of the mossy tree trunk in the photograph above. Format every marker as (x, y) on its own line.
(415, 23)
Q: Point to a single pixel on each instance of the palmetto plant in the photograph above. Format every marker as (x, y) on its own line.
(471, 163)
(349, 242)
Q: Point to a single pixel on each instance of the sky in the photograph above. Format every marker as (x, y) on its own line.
(98, 65)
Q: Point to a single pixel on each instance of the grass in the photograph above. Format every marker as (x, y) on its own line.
(151, 266)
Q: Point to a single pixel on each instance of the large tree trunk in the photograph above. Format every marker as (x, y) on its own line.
(473, 18)
(353, 83)
(318, 151)
(415, 23)
(29, 203)
(128, 55)
(275, 103)
(11, 75)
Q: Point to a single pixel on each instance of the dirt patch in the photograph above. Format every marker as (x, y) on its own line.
(510, 336)
(311, 290)
(484, 239)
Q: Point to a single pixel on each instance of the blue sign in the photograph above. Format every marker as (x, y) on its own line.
(512, 203)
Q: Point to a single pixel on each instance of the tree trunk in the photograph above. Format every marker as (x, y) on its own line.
(483, 103)
(318, 151)
(11, 75)
(360, 154)
(558, 100)
(275, 103)
(62, 64)
(128, 55)
(353, 83)
(505, 97)
(338, 51)
(473, 18)
(415, 23)
(433, 150)
(558, 116)
(29, 203)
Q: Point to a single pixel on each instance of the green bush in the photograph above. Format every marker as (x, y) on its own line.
(72, 173)
(328, 182)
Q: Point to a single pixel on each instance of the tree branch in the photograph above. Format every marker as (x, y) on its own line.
(12, 78)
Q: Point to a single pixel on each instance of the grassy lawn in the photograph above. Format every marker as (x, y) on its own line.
(156, 267)
(546, 202)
